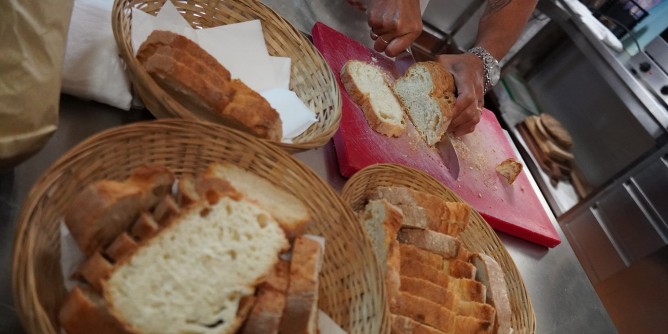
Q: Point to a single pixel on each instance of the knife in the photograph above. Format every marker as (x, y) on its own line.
(449, 155)
(403, 61)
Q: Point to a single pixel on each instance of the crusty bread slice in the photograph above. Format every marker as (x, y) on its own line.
(145, 226)
(426, 91)
(510, 169)
(301, 309)
(290, 212)
(439, 243)
(101, 211)
(186, 191)
(420, 255)
(265, 316)
(459, 269)
(381, 222)
(196, 269)
(368, 86)
(424, 311)
(155, 181)
(468, 324)
(490, 273)
(462, 288)
(165, 210)
(84, 312)
(405, 325)
(438, 215)
(94, 270)
(428, 290)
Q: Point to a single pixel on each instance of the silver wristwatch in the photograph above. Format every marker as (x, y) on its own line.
(491, 66)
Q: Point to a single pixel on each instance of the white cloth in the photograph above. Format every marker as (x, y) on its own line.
(93, 69)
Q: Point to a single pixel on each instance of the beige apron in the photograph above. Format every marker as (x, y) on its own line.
(31, 58)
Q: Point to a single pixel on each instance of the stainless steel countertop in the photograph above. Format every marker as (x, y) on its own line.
(563, 298)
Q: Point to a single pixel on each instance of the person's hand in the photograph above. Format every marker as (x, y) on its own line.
(468, 71)
(395, 24)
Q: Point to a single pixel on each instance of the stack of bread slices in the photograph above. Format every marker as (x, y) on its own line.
(201, 254)
(434, 284)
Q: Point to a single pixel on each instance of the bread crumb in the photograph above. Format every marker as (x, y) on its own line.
(479, 195)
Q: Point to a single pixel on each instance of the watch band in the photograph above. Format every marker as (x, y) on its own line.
(490, 66)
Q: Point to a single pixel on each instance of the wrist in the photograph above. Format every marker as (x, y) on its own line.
(491, 70)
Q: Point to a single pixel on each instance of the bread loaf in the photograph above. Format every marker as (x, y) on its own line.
(369, 87)
(221, 250)
(201, 84)
(426, 91)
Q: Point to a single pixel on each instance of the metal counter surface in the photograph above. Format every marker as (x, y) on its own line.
(563, 298)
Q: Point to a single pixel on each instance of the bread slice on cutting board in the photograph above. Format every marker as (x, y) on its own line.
(427, 92)
(369, 87)
(510, 169)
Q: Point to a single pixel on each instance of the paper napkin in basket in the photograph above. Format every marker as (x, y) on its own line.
(241, 48)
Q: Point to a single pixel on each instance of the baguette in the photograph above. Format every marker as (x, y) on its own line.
(426, 91)
(368, 86)
(301, 309)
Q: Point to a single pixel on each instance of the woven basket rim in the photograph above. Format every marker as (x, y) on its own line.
(362, 177)
(32, 313)
(140, 78)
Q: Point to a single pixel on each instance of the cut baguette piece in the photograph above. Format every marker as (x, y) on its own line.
(459, 269)
(368, 86)
(154, 180)
(94, 270)
(301, 309)
(381, 222)
(439, 243)
(467, 324)
(424, 311)
(265, 316)
(428, 290)
(510, 169)
(101, 211)
(144, 227)
(426, 91)
(462, 288)
(85, 312)
(290, 212)
(187, 193)
(165, 210)
(122, 246)
(221, 250)
(490, 273)
(414, 253)
(405, 325)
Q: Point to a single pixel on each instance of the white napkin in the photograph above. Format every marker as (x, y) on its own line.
(241, 48)
(92, 68)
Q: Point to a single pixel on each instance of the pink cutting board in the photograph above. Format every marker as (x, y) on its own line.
(513, 209)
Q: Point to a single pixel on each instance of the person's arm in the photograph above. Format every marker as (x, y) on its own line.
(500, 25)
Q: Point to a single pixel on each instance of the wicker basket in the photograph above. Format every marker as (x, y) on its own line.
(311, 78)
(351, 288)
(478, 236)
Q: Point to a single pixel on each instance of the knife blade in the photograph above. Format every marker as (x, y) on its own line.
(449, 155)
(403, 61)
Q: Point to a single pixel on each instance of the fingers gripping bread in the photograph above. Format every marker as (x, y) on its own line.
(426, 91)
(368, 86)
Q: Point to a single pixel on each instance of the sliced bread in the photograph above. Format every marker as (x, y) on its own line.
(490, 273)
(301, 309)
(197, 270)
(414, 253)
(424, 311)
(426, 91)
(265, 316)
(439, 243)
(85, 312)
(405, 325)
(290, 212)
(368, 86)
(381, 221)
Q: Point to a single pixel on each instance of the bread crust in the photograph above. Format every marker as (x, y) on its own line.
(265, 316)
(364, 102)
(84, 312)
(491, 274)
